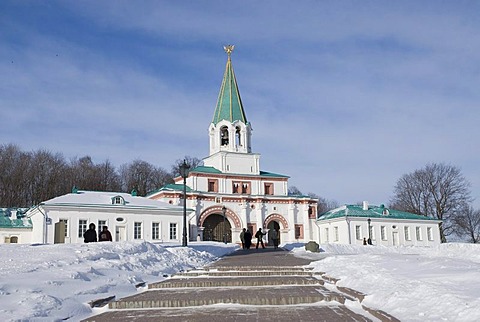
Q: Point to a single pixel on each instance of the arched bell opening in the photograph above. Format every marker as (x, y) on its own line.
(238, 136)
(224, 136)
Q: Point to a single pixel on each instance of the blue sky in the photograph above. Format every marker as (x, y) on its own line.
(344, 96)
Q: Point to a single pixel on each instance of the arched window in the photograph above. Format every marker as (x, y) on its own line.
(118, 200)
(224, 135)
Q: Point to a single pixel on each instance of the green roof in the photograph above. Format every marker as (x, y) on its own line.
(204, 169)
(6, 222)
(229, 104)
(372, 212)
(170, 187)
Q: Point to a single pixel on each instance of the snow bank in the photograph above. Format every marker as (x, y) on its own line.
(411, 283)
(54, 282)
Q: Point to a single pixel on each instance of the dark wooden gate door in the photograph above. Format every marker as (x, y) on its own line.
(214, 228)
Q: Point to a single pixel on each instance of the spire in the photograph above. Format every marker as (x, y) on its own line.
(229, 104)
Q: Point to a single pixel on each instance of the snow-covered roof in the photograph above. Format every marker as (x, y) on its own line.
(82, 198)
(372, 212)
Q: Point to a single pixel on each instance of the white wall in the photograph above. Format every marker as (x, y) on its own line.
(91, 215)
(394, 232)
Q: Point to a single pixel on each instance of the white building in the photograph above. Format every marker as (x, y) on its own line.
(231, 179)
(129, 217)
(354, 224)
(15, 227)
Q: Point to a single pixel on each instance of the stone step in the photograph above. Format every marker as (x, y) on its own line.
(250, 313)
(281, 295)
(248, 273)
(235, 282)
(258, 268)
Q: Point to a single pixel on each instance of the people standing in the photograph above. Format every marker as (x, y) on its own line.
(90, 235)
(105, 234)
(242, 238)
(259, 236)
(274, 236)
(248, 239)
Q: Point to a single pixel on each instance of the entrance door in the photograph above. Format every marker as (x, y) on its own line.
(216, 228)
(273, 225)
(120, 233)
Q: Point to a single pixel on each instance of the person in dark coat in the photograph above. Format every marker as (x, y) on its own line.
(242, 238)
(90, 235)
(248, 239)
(105, 234)
(259, 236)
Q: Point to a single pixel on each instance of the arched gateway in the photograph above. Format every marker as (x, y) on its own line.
(275, 222)
(215, 226)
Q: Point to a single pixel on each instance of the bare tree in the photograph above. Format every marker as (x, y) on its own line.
(193, 162)
(143, 177)
(46, 176)
(13, 166)
(468, 223)
(294, 191)
(437, 190)
(108, 178)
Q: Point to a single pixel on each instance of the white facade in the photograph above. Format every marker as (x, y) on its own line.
(14, 226)
(64, 219)
(387, 228)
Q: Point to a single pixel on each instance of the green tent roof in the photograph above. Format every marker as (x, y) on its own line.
(229, 104)
(372, 212)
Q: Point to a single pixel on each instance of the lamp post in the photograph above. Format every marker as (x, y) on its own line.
(184, 173)
(369, 232)
(224, 210)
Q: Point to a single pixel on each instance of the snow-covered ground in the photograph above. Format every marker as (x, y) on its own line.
(410, 283)
(55, 282)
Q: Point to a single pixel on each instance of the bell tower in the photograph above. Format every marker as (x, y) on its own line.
(230, 132)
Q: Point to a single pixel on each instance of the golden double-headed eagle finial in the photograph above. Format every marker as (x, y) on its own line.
(228, 49)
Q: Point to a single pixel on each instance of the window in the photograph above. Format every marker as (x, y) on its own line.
(241, 187)
(268, 188)
(118, 200)
(418, 233)
(383, 232)
(82, 227)
(358, 232)
(66, 226)
(101, 224)
(429, 233)
(155, 230)
(371, 235)
(137, 230)
(173, 231)
(212, 185)
(298, 231)
(327, 237)
(335, 233)
(407, 232)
